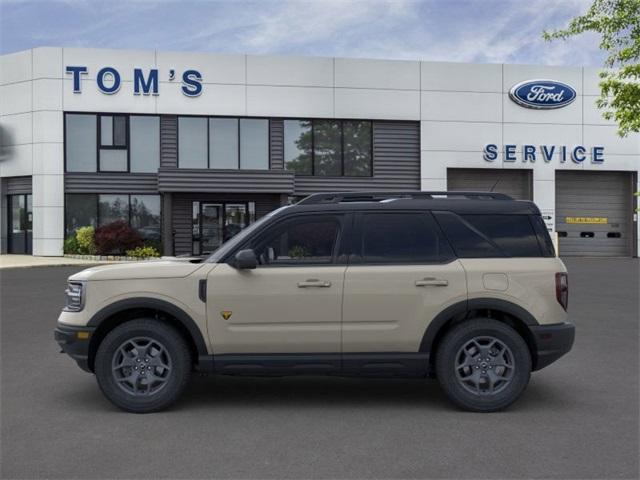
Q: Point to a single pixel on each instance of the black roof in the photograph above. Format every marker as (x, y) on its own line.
(458, 202)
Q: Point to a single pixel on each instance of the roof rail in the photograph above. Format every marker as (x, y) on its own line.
(338, 197)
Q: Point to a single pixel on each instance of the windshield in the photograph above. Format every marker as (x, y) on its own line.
(232, 243)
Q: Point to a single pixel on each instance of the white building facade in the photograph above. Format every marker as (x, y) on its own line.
(188, 148)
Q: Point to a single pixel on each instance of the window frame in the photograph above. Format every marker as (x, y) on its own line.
(341, 251)
(357, 258)
(233, 117)
(101, 147)
(98, 116)
(313, 121)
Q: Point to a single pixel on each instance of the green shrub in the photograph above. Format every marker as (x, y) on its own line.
(71, 245)
(85, 239)
(143, 252)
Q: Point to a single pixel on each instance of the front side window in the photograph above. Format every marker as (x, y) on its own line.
(299, 241)
(402, 238)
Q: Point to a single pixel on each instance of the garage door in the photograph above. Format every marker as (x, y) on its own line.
(593, 213)
(516, 183)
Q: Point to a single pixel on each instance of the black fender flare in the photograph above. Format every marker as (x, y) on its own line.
(459, 310)
(155, 304)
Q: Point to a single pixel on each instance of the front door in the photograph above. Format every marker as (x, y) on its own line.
(291, 303)
(20, 221)
(211, 227)
(403, 275)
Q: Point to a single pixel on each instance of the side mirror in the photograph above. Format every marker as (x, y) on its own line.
(246, 260)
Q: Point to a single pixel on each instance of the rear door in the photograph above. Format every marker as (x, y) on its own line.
(403, 274)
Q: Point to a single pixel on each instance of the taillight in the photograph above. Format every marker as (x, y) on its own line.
(562, 289)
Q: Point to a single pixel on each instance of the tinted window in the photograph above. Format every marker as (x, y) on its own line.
(81, 211)
(513, 234)
(80, 142)
(309, 240)
(192, 142)
(297, 146)
(254, 144)
(402, 238)
(145, 216)
(544, 239)
(145, 143)
(467, 241)
(112, 208)
(223, 143)
(357, 148)
(327, 148)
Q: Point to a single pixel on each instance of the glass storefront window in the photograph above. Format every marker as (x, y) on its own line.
(254, 144)
(357, 148)
(297, 146)
(112, 208)
(80, 142)
(223, 143)
(144, 143)
(112, 160)
(327, 148)
(81, 210)
(192, 142)
(145, 216)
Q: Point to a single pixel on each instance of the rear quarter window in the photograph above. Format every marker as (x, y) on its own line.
(490, 235)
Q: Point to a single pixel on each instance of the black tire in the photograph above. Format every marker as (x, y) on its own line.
(172, 376)
(454, 354)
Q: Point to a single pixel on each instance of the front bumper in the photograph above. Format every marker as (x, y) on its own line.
(74, 341)
(552, 342)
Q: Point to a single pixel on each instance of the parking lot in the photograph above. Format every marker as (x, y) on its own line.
(578, 418)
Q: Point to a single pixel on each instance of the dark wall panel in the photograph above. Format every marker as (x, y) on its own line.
(18, 185)
(168, 141)
(111, 183)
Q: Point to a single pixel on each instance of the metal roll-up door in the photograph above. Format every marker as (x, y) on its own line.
(515, 183)
(594, 213)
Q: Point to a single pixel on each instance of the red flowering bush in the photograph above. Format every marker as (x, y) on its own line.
(116, 237)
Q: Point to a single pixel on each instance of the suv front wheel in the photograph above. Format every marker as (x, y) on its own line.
(483, 365)
(143, 365)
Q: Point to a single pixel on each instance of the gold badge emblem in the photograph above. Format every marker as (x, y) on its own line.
(226, 314)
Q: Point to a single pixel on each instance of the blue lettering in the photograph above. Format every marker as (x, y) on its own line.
(148, 86)
(563, 154)
(529, 153)
(510, 153)
(191, 83)
(490, 152)
(547, 153)
(108, 72)
(76, 71)
(578, 154)
(597, 155)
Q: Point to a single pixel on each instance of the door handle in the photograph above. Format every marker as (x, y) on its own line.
(432, 282)
(313, 283)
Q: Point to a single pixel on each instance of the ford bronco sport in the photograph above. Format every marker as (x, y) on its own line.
(463, 286)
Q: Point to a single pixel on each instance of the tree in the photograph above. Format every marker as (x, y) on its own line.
(618, 23)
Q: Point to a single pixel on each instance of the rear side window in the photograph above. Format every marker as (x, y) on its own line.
(394, 238)
(467, 241)
(482, 236)
(546, 245)
(513, 234)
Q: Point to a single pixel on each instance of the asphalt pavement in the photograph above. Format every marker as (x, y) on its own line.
(578, 418)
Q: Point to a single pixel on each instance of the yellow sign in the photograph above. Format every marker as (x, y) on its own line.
(226, 314)
(587, 220)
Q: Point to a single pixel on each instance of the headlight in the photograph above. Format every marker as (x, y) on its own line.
(74, 297)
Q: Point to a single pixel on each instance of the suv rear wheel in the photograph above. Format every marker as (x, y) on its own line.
(483, 365)
(143, 365)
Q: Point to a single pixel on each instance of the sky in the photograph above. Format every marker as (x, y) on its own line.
(484, 31)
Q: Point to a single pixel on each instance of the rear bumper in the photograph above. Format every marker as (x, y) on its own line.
(74, 345)
(552, 342)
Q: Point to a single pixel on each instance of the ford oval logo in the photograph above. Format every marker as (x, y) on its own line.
(542, 94)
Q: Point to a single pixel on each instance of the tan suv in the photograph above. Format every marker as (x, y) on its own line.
(461, 286)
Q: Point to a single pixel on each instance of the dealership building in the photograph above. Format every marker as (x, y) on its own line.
(189, 148)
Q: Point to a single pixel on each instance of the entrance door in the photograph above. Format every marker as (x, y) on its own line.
(211, 227)
(20, 221)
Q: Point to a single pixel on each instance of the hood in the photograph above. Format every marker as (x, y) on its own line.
(138, 270)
